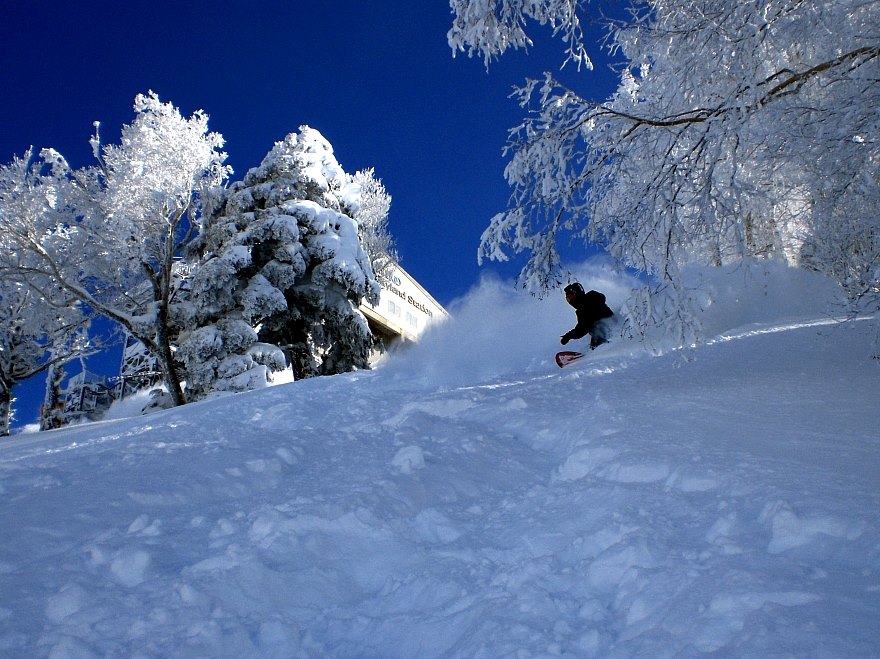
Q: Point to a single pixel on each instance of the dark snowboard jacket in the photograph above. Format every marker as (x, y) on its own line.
(590, 308)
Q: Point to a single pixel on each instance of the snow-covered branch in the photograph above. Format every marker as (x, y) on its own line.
(738, 130)
(490, 27)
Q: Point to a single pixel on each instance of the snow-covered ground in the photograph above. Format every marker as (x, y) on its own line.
(470, 499)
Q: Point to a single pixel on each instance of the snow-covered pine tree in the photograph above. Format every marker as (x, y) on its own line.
(281, 274)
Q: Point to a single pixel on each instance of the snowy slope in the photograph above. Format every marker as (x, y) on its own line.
(631, 505)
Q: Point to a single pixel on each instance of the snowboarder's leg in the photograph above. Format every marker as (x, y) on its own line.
(598, 335)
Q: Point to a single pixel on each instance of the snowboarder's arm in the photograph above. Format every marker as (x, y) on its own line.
(576, 332)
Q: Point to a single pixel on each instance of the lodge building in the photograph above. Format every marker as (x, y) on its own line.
(405, 309)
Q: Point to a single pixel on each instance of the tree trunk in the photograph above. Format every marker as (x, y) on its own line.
(5, 409)
(161, 346)
(166, 358)
(52, 412)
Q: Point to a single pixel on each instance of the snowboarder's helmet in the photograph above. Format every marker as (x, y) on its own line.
(574, 289)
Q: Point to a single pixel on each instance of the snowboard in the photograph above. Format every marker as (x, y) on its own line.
(566, 357)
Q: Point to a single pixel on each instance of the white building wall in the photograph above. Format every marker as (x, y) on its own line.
(405, 308)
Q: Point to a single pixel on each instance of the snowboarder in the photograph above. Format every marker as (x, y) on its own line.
(593, 315)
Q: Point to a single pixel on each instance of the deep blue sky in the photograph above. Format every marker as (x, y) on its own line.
(376, 78)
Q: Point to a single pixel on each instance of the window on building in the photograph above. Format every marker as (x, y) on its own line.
(393, 308)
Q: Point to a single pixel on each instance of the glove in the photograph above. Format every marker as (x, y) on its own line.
(564, 340)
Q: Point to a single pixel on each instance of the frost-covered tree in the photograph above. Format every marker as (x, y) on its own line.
(282, 270)
(116, 228)
(739, 129)
(41, 324)
(37, 332)
(370, 206)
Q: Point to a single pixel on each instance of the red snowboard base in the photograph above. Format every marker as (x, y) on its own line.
(566, 357)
